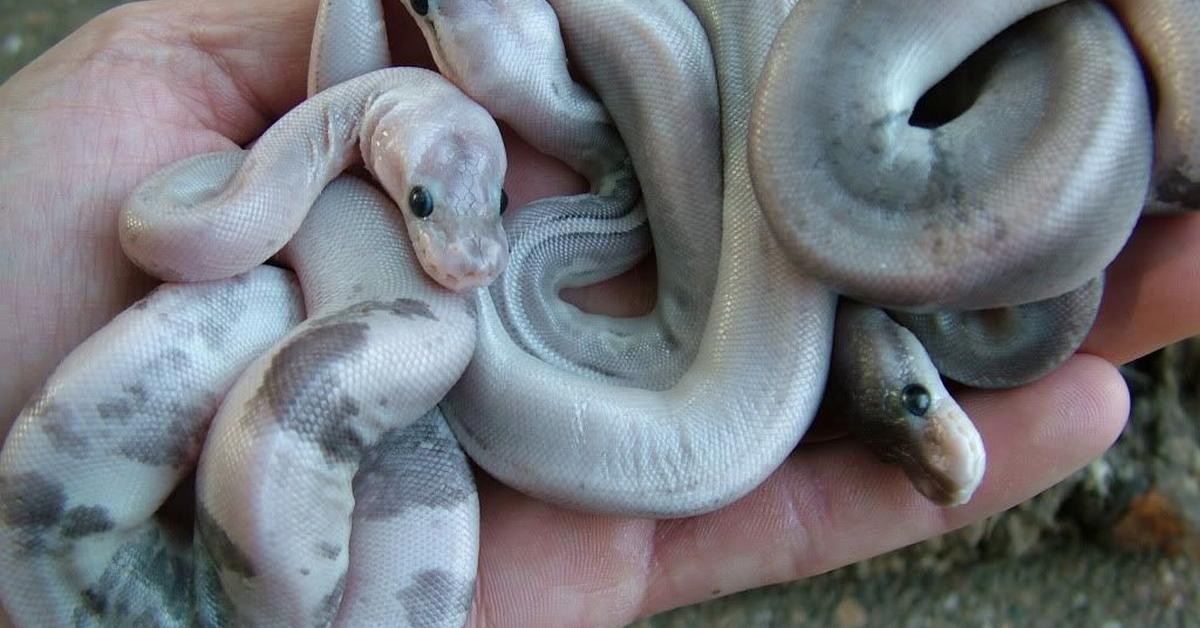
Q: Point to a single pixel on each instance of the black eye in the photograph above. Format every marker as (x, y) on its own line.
(420, 202)
(503, 200)
(916, 399)
(420, 7)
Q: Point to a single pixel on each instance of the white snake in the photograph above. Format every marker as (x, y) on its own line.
(708, 417)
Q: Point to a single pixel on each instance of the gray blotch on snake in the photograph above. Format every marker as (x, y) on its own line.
(148, 582)
(328, 550)
(170, 441)
(429, 600)
(58, 424)
(168, 433)
(330, 603)
(306, 369)
(213, 606)
(409, 308)
(415, 466)
(29, 500)
(82, 521)
(311, 362)
(221, 549)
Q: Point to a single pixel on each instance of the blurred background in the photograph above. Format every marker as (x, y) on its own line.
(1117, 544)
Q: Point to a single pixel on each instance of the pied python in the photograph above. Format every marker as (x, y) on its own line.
(315, 433)
(710, 435)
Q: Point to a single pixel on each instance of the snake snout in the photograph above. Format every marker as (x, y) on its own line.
(472, 261)
(949, 459)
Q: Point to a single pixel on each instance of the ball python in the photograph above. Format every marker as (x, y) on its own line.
(314, 419)
(737, 68)
(636, 480)
(127, 411)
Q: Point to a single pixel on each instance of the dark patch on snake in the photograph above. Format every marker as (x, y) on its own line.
(339, 441)
(148, 582)
(177, 358)
(224, 553)
(172, 442)
(404, 308)
(214, 609)
(331, 602)
(1176, 188)
(435, 597)
(945, 182)
(82, 521)
(411, 308)
(158, 428)
(328, 550)
(304, 375)
(29, 500)
(58, 424)
(419, 465)
(602, 371)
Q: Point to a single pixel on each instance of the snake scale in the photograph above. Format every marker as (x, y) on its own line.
(969, 167)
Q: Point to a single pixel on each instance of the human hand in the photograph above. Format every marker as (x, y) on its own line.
(154, 82)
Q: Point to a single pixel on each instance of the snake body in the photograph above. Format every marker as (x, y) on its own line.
(456, 159)
(100, 448)
(305, 447)
(715, 433)
(671, 414)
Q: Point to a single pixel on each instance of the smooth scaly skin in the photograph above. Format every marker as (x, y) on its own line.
(590, 443)
(115, 429)
(318, 436)
(305, 447)
(1010, 346)
(240, 222)
(1027, 195)
(733, 70)
(561, 243)
(320, 393)
(340, 53)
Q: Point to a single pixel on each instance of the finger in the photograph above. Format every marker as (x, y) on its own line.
(1151, 297)
(834, 504)
(831, 504)
(116, 428)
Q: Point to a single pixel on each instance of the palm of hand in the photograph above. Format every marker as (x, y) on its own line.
(146, 85)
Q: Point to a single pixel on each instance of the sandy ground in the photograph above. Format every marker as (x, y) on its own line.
(1094, 551)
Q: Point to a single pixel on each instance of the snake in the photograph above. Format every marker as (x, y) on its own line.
(247, 366)
(704, 433)
(306, 408)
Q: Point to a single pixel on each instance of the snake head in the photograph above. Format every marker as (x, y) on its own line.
(888, 394)
(445, 174)
(936, 444)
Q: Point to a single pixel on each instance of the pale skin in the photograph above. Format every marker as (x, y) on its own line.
(150, 83)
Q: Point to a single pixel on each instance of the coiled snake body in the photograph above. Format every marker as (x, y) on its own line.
(674, 413)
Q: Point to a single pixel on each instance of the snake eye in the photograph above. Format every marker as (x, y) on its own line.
(916, 399)
(503, 200)
(420, 7)
(420, 202)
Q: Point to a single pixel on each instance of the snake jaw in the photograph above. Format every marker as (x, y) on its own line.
(947, 459)
(472, 258)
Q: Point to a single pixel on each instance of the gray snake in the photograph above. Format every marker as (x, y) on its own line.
(732, 364)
